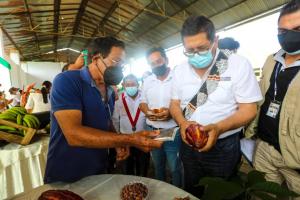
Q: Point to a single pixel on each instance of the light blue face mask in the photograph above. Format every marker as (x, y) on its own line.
(131, 91)
(201, 61)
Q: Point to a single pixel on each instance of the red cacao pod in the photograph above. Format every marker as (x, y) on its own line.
(195, 136)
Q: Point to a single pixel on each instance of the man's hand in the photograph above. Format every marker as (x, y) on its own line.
(142, 140)
(150, 115)
(164, 115)
(183, 126)
(122, 153)
(213, 135)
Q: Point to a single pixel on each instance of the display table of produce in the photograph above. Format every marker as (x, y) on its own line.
(108, 187)
(22, 167)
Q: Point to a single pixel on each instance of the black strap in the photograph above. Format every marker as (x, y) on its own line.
(201, 96)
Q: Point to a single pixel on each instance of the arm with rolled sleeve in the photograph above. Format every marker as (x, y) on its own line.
(247, 94)
(67, 105)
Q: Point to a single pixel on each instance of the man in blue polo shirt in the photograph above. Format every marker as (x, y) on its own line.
(82, 103)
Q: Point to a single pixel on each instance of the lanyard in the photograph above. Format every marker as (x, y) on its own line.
(278, 69)
(132, 122)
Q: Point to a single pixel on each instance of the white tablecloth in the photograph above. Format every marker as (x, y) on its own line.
(108, 187)
(22, 167)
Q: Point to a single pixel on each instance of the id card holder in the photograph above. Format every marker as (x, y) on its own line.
(273, 109)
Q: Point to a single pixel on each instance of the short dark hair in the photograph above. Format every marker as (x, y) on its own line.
(228, 43)
(12, 89)
(46, 86)
(130, 77)
(103, 46)
(157, 49)
(198, 24)
(291, 7)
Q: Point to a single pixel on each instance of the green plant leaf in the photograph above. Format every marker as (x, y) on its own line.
(218, 188)
(273, 188)
(255, 177)
(263, 196)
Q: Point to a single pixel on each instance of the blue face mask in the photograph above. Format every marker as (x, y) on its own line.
(131, 91)
(201, 61)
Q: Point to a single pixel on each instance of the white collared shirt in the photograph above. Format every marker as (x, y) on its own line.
(157, 94)
(237, 84)
(120, 118)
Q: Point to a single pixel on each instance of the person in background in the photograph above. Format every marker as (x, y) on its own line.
(228, 45)
(25, 94)
(82, 104)
(156, 94)
(3, 102)
(39, 101)
(217, 92)
(15, 96)
(127, 119)
(277, 126)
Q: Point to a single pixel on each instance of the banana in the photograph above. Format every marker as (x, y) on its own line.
(28, 122)
(35, 119)
(19, 119)
(11, 112)
(32, 121)
(8, 116)
(7, 128)
(19, 110)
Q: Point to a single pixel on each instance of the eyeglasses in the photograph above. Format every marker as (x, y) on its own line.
(192, 53)
(119, 63)
(283, 30)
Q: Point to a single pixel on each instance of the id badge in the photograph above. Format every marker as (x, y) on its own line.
(273, 109)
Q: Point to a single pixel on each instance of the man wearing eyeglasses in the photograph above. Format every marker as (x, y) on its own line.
(277, 126)
(82, 103)
(215, 91)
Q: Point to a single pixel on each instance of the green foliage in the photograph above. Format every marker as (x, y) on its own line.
(243, 186)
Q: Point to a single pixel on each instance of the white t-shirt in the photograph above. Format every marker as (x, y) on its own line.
(157, 94)
(16, 100)
(120, 118)
(36, 103)
(237, 84)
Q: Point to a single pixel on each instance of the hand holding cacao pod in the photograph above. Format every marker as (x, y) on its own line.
(195, 136)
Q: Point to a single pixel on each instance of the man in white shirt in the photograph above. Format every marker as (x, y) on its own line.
(221, 94)
(128, 118)
(156, 94)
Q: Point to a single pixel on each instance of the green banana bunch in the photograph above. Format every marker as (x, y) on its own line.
(8, 116)
(31, 121)
(18, 115)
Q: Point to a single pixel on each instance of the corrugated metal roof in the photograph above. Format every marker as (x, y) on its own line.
(35, 27)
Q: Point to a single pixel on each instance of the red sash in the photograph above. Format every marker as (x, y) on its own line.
(132, 122)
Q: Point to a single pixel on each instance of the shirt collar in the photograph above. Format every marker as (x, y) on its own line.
(279, 57)
(86, 76)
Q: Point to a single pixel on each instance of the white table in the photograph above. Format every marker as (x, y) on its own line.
(22, 167)
(108, 187)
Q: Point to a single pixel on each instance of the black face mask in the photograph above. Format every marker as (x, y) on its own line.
(113, 75)
(160, 70)
(290, 41)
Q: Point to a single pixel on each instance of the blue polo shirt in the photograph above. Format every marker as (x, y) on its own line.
(76, 90)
